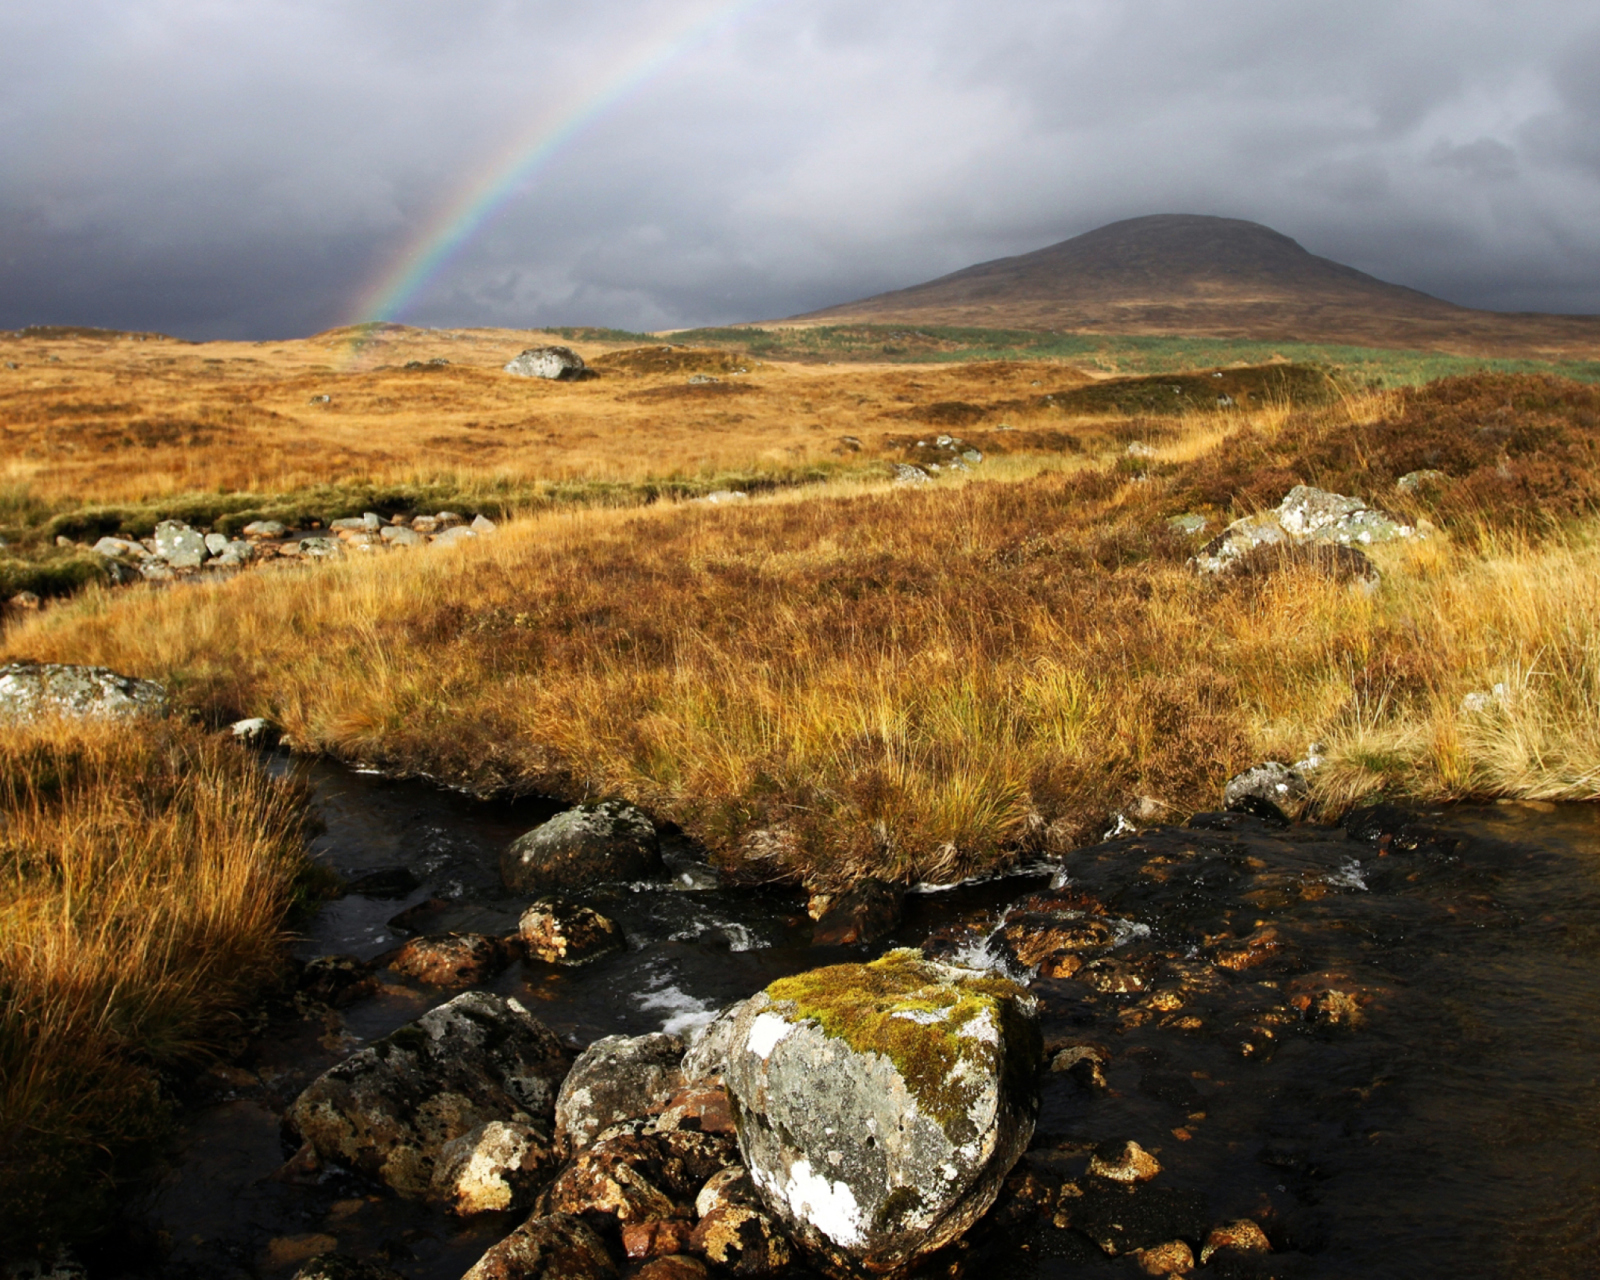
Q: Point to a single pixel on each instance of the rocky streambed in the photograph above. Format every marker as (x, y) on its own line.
(1261, 1049)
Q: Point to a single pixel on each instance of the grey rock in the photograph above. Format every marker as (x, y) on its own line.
(156, 571)
(321, 548)
(255, 729)
(560, 363)
(615, 1079)
(702, 380)
(1187, 524)
(905, 473)
(453, 535)
(29, 689)
(494, 1168)
(124, 548)
(425, 524)
(397, 535)
(973, 456)
(390, 1109)
(707, 1054)
(1418, 481)
(594, 843)
(719, 497)
(1267, 790)
(264, 529)
(448, 519)
(179, 545)
(482, 524)
(878, 1149)
(216, 543)
(559, 931)
(322, 399)
(1306, 515)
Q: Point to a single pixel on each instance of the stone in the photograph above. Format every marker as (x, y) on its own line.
(30, 689)
(216, 543)
(558, 363)
(27, 601)
(390, 1109)
(616, 1078)
(559, 931)
(559, 1247)
(482, 525)
(397, 535)
(254, 730)
(237, 552)
(864, 913)
(657, 1238)
(425, 524)
(337, 981)
(1306, 514)
(1086, 1063)
(1174, 1258)
(742, 1240)
(721, 497)
(456, 533)
(1124, 1162)
(1242, 1238)
(594, 843)
(120, 547)
(319, 548)
(1262, 946)
(448, 519)
(678, 1267)
(1274, 790)
(636, 1176)
(339, 1266)
(880, 1106)
(1420, 481)
(1188, 525)
(907, 474)
(496, 1167)
(730, 1187)
(179, 545)
(702, 1106)
(322, 399)
(450, 959)
(707, 1055)
(265, 529)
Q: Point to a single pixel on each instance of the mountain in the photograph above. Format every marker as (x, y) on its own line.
(1201, 276)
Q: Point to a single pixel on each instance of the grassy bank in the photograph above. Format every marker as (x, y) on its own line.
(144, 876)
(925, 682)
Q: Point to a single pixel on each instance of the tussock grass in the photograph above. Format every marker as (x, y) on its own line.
(144, 875)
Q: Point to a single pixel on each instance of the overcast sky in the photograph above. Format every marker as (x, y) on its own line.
(256, 168)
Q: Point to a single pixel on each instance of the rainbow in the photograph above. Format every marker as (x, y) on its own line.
(460, 220)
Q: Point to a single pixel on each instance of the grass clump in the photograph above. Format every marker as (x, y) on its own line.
(903, 1008)
(145, 870)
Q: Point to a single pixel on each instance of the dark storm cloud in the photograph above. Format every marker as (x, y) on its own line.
(252, 168)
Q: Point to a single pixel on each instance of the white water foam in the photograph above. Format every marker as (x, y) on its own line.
(1348, 876)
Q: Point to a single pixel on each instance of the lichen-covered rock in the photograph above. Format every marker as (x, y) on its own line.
(492, 1168)
(880, 1106)
(702, 1107)
(638, 1176)
(731, 1186)
(558, 931)
(594, 843)
(339, 1266)
(558, 363)
(1273, 790)
(450, 959)
(1306, 514)
(742, 1240)
(558, 1247)
(655, 1239)
(1421, 481)
(1124, 1162)
(390, 1109)
(1243, 1238)
(615, 1079)
(30, 689)
(677, 1267)
(179, 545)
(1174, 1258)
(707, 1055)
(864, 913)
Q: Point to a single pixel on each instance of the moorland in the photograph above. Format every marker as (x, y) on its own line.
(850, 672)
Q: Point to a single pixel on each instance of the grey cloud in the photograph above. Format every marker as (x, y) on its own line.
(252, 168)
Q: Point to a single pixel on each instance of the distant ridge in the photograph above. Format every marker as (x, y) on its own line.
(1202, 276)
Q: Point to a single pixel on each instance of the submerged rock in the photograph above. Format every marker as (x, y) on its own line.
(29, 689)
(451, 959)
(863, 914)
(559, 1247)
(558, 931)
(880, 1106)
(617, 1078)
(390, 1109)
(612, 840)
(557, 363)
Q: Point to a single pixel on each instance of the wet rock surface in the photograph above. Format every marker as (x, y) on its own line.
(560, 931)
(1300, 1026)
(594, 843)
(616, 1079)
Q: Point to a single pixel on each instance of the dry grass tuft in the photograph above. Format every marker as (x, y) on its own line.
(144, 875)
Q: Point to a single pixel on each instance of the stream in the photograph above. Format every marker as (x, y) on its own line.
(1403, 1084)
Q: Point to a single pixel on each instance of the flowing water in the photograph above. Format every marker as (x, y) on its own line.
(1401, 1082)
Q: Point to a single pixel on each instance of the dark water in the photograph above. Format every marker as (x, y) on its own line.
(1444, 1121)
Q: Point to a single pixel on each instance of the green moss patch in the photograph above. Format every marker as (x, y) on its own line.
(898, 1006)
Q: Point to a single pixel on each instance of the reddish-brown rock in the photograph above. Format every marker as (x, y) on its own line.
(450, 959)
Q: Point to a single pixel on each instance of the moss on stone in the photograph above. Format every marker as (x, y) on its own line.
(907, 1010)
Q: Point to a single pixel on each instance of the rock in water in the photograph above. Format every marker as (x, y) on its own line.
(561, 932)
(29, 689)
(560, 363)
(612, 840)
(390, 1109)
(880, 1106)
(614, 1079)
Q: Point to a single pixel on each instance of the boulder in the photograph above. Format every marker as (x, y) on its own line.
(862, 914)
(640, 1176)
(662, 1237)
(676, 1267)
(617, 1078)
(612, 840)
(321, 548)
(29, 689)
(559, 931)
(741, 1240)
(562, 364)
(456, 533)
(558, 1247)
(1123, 1162)
(1421, 481)
(216, 543)
(905, 473)
(880, 1106)
(1243, 1238)
(1274, 790)
(390, 1109)
(450, 959)
(179, 545)
(493, 1168)
(397, 535)
(120, 548)
(1305, 515)
(339, 1266)
(482, 524)
(265, 529)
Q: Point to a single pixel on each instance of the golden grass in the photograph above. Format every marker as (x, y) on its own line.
(144, 875)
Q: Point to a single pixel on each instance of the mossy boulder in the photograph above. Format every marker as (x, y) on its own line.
(880, 1106)
(594, 843)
